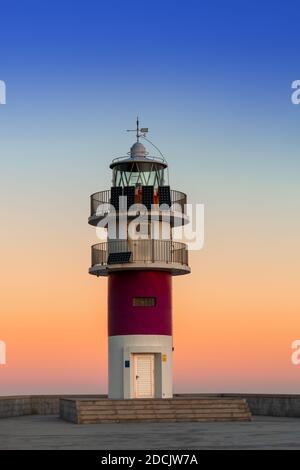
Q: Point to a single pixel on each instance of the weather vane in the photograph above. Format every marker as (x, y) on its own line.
(139, 132)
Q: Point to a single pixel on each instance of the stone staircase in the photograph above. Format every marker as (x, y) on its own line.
(86, 411)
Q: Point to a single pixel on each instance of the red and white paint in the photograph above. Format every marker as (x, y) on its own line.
(140, 339)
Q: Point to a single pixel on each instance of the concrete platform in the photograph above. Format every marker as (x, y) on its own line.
(167, 410)
(49, 432)
(277, 405)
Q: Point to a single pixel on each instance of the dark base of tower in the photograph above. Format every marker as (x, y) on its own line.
(206, 409)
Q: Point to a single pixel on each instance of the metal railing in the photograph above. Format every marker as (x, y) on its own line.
(150, 251)
(150, 158)
(100, 202)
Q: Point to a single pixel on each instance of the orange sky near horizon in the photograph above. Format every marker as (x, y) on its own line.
(235, 318)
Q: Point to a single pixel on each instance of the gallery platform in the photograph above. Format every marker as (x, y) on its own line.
(97, 411)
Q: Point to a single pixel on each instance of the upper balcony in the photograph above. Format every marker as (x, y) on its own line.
(122, 255)
(160, 205)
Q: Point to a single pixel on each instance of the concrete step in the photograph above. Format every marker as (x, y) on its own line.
(168, 420)
(143, 401)
(160, 419)
(158, 411)
(165, 404)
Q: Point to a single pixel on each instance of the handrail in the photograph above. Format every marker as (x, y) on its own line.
(148, 251)
(148, 157)
(103, 197)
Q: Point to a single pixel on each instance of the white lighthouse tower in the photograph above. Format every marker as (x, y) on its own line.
(139, 263)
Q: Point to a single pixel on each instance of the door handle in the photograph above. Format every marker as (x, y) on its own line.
(137, 376)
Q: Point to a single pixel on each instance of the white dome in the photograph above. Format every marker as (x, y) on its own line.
(138, 150)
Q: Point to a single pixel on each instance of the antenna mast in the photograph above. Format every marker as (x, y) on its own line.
(137, 129)
(139, 132)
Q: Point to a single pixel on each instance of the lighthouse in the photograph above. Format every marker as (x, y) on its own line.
(139, 259)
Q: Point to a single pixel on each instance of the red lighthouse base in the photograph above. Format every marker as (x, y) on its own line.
(140, 334)
(140, 303)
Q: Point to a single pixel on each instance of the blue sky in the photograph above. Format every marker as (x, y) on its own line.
(212, 81)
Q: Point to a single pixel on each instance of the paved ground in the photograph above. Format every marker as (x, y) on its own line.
(49, 432)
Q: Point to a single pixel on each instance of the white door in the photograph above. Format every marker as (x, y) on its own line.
(144, 375)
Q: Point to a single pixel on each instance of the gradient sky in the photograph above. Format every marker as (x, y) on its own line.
(212, 81)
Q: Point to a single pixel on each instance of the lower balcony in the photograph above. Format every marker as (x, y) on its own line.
(121, 255)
